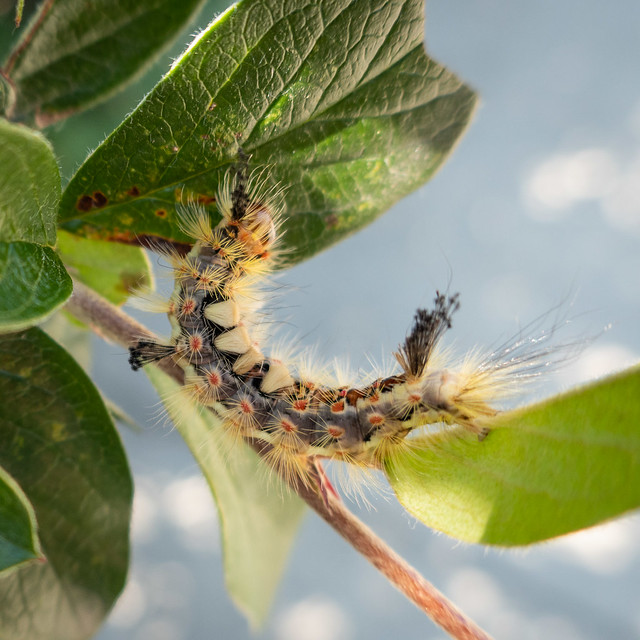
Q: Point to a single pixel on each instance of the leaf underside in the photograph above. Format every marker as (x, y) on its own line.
(259, 518)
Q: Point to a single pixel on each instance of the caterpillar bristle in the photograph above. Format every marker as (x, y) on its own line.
(296, 411)
(147, 299)
(194, 221)
(429, 326)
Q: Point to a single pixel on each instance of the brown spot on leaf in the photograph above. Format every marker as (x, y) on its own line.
(99, 199)
(134, 192)
(205, 199)
(332, 221)
(85, 203)
(161, 213)
(95, 201)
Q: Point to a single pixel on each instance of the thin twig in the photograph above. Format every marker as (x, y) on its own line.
(113, 324)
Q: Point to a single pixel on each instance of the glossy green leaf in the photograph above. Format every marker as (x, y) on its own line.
(258, 518)
(58, 442)
(75, 53)
(18, 539)
(545, 470)
(110, 268)
(346, 130)
(33, 283)
(29, 186)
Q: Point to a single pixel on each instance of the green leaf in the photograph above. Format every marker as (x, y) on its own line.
(258, 519)
(76, 53)
(58, 442)
(29, 186)
(33, 283)
(337, 97)
(18, 539)
(545, 470)
(110, 268)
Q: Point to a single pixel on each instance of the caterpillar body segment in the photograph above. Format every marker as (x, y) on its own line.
(264, 399)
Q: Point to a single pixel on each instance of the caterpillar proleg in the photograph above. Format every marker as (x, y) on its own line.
(269, 401)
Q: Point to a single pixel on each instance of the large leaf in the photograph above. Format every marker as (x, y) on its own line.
(33, 283)
(337, 97)
(111, 269)
(75, 53)
(29, 186)
(58, 442)
(258, 520)
(543, 471)
(18, 539)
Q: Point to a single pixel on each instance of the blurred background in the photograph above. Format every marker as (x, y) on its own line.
(538, 206)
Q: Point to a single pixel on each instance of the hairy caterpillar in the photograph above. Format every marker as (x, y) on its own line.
(260, 398)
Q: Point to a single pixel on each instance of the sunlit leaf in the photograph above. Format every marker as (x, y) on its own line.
(545, 470)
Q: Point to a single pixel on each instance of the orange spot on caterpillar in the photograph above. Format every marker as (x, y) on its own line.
(299, 405)
(214, 379)
(335, 431)
(195, 343)
(375, 419)
(246, 406)
(161, 213)
(337, 407)
(288, 427)
(187, 307)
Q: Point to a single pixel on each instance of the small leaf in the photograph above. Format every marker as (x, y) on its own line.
(336, 97)
(18, 540)
(76, 53)
(570, 462)
(33, 284)
(29, 186)
(110, 268)
(58, 442)
(258, 520)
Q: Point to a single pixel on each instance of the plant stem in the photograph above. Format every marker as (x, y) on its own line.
(113, 324)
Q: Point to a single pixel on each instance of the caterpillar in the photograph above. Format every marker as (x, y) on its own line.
(295, 417)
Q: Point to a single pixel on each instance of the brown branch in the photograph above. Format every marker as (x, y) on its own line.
(115, 325)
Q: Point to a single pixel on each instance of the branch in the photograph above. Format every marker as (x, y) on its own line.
(115, 325)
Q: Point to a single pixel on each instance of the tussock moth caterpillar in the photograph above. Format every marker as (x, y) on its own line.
(295, 416)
